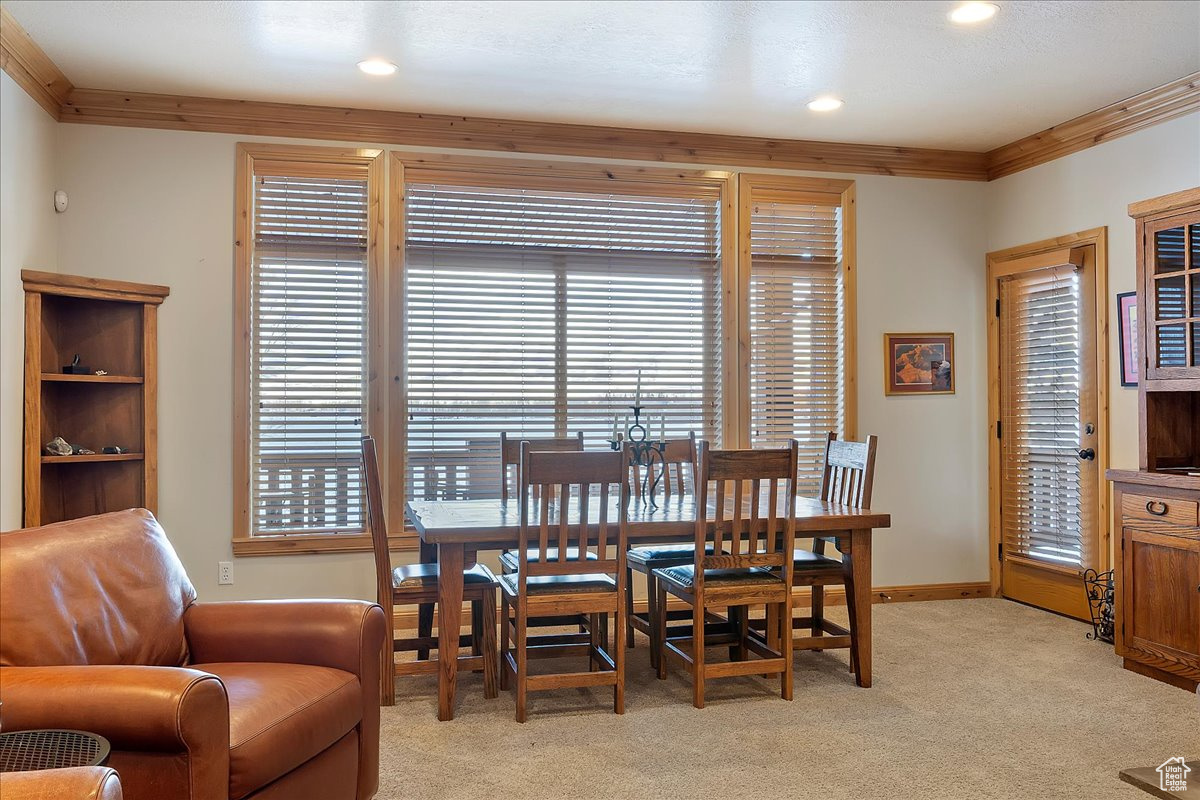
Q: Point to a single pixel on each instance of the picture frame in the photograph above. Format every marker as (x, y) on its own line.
(918, 363)
(1127, 334)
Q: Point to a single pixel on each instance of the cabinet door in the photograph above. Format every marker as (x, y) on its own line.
(1172, 297)
(1162, 596)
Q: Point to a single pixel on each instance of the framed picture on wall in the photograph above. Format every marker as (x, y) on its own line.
(1127, 331)
(918, 363)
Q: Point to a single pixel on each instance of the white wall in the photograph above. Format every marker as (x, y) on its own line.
(157, 206)
(1088, 189)
(28, 240)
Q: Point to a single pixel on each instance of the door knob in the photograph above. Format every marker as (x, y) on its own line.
(1088, 454)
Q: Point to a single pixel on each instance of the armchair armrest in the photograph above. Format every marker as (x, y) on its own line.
(164, 709)
(342, 634)
(76, 783)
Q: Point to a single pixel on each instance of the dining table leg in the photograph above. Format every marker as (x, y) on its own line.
(449, 606)
(860, 565)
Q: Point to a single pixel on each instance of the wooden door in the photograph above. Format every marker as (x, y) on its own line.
(1161, 601)
(1048, 431)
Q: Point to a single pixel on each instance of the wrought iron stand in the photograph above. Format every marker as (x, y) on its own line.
(644, 452)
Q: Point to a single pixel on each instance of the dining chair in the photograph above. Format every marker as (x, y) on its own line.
(417, 584)
(568, 565)
(846, 479)
(738, 562)
(510, 460)
(679, 457)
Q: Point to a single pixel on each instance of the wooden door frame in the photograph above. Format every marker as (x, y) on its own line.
(1007, 261)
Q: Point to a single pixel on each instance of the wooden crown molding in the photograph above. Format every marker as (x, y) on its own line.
(33, 70)
(102, 107)
(1143, 110)
(30, 67)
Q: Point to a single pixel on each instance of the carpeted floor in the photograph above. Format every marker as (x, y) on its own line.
(972, 699)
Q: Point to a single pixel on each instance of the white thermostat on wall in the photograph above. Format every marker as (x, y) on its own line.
(60, 201)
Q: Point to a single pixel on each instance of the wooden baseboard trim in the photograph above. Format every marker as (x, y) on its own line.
(406, 618)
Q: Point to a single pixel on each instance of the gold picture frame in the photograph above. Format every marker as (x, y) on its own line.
(918, 363)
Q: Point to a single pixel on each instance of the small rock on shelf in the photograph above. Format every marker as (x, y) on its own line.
(58, 446)
(114, 450)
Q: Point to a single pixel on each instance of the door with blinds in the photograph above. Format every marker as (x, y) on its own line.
(1048, 426)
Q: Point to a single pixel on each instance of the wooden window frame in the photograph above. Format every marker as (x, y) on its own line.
(324, 161)
(554, 174)
(836, 192)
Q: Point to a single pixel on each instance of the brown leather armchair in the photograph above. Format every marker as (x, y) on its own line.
(100, 631)
(76, 783)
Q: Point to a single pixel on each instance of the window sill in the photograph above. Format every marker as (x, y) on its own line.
(309, 544)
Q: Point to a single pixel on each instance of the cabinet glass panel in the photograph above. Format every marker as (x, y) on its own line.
(1169, 255)
(1196, 344)
(1195, 281)
(1171, 345)
(1170, 297)
(1194, 237)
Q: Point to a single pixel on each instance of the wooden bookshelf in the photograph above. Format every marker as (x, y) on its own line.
(112, 326)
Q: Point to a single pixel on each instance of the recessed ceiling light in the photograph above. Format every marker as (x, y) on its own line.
(825, 104)
(377, 66)
(970, 13)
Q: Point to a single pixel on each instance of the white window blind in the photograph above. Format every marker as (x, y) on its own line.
(308, 354)
(797, 327)
(1043, 504)
(529, 310)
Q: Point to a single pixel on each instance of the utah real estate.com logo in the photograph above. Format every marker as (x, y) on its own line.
(1173, 775)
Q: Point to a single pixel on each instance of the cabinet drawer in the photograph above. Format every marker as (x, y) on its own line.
(1160, 510)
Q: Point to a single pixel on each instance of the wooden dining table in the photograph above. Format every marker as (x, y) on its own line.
(458, 529)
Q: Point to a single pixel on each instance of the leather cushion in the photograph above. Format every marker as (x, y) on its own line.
(411, 576)
(70, 783)
(281, 715)
(807, 559)
(511, 560)
(666, 555)
(560, 584)
(107, 589)
(685, 575)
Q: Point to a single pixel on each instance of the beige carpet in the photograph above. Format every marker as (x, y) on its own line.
(972, 699)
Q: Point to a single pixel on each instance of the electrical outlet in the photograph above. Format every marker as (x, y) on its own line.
(225, 573)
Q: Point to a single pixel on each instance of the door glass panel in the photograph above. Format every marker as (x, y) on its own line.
(1171, 346)
(1195, 279)
(1169, 250)
(1170, 297)
(1196, 344)
(1194, 236)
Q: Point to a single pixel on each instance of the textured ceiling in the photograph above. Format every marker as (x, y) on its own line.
(907, 75)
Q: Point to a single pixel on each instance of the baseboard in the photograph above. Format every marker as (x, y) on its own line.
(406, 618)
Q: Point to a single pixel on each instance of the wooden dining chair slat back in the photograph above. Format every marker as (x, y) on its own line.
(417, 584)
(744, 536)
(571, 561)
(848, 474)
(510, 454)
(676, 483)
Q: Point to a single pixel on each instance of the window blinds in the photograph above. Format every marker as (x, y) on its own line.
(530, 309)
(308, 354)
(797, 331)
(1043, 506)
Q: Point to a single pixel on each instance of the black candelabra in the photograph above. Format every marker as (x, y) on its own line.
(643, 452)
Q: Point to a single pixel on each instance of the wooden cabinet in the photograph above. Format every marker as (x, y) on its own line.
(112, 326)
(1157, 507)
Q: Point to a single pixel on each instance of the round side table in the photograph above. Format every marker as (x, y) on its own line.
(24, 751)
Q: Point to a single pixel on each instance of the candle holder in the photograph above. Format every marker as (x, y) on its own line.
(644, 452)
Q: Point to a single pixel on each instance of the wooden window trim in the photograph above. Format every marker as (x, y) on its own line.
(836, 192)
(566, 175)
(253, 159)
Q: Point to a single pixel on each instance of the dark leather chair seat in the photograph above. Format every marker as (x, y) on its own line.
(685, 575)
(511, 559)
(665, 555)
(411, 576)
(560, 584)
(807, 559)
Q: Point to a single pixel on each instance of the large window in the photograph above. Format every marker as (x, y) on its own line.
(531, 305)
(798, 318)
(306, 264)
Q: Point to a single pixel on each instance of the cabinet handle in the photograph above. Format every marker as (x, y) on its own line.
(1157, 508)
